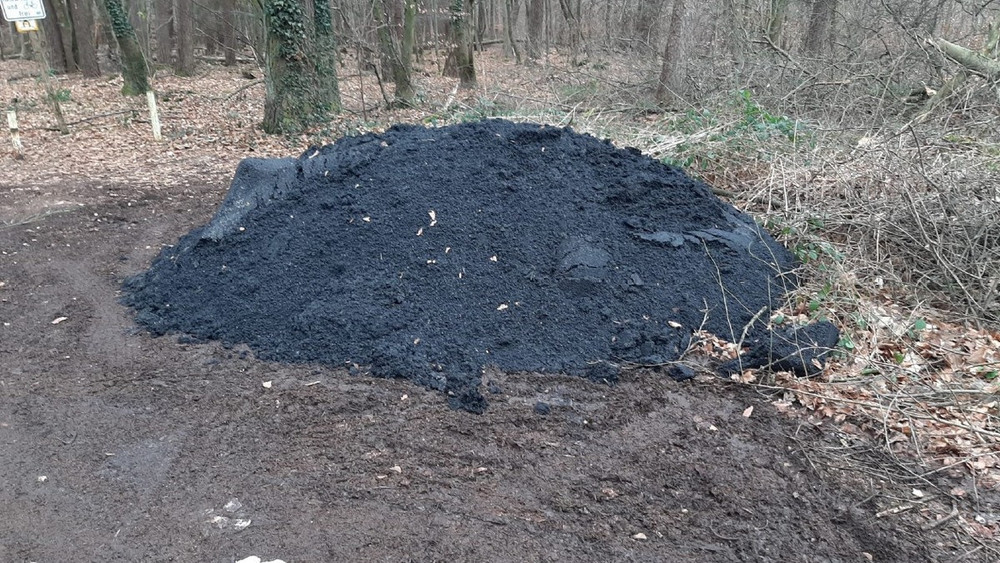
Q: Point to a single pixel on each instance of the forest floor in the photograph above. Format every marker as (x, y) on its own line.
(123, 447)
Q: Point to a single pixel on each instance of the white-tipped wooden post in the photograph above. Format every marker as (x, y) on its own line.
(15, 135)
(154, 118)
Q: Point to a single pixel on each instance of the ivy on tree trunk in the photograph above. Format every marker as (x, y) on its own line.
(133, 61)
(300, 65)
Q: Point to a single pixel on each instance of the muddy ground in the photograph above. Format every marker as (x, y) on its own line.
(116, 446)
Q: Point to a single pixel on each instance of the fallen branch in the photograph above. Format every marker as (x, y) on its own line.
(971, 60)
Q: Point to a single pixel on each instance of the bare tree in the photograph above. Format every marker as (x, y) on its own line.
(164, 12)
(820, 26)
(184, 20)
(671, 77)
(84, 46)
(134, 69)
(229, 45)
(460, 61)
(778, 9)
(536, 27)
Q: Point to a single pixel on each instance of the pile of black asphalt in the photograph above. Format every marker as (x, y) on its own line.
(431, 253)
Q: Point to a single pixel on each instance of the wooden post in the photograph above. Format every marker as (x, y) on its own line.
(39, 46)
(154, 118)
(15, 136)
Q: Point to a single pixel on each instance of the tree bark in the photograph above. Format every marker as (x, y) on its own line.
(64, 22)
(971, 60)
(134, 69)
(536, 27)
(669, 84)
(300, 71)
(461, 53)
(229, 45)
(575, 32)
(55, 52)
(511, 10)
(776, 20)
(184, 21)
(647, 14)
(140, 22)
(163, 31)
(84, 45)
(397, 57)
(820, 26)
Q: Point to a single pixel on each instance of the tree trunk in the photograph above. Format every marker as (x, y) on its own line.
(51, 26)
(397, 58)
(536, 27)
(971, 60)
(573, 22)
(512, 7)
(84, 46)
(820, 24)
(163, 31)
(110, 57)
(300, 71)
(133, 62)
(669, 84)
(61, 16)
(776, 20)
(461, 54)
(184, 20)
(229, 32)
(646, 17)
(139, 18)
(404, 82)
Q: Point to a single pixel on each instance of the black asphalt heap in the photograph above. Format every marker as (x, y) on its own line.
(430, 253)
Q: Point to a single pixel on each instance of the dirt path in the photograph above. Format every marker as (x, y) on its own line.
(118, 447)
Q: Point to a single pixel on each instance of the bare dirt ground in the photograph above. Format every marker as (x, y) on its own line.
(115, 446)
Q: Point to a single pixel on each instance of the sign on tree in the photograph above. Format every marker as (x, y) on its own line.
(20, 10)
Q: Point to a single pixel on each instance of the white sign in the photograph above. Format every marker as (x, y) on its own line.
(18, 10)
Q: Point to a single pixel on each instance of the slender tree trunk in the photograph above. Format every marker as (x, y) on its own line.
(512, 7)
(461, 54)
(820, 23)
(164, 26)
(64, 22)
(139, 18)
(669, 84)
(536, 27)
(210, 28)
(84, 45)
(134, 69)
(573, 23)
(229, 31)
(404, 82)
(647, 14)
(397, 58)
(776, 20)
(107, 31)
(53, 45)
(184, 20)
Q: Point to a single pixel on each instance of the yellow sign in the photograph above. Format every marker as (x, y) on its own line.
(24, 26)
